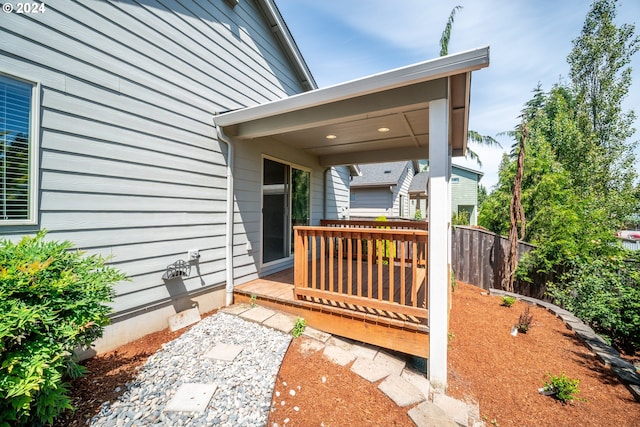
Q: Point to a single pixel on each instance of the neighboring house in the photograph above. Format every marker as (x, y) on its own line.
(418, 200)
(155, 132)
(464, 192)
(382, 189)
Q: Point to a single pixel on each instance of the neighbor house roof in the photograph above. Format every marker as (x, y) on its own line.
(464, 168)
(383, 117)
(379, 174)
(419, 183)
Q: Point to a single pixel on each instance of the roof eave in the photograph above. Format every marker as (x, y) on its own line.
(445, 66)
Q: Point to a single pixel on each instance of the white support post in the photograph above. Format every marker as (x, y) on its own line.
(439, 240)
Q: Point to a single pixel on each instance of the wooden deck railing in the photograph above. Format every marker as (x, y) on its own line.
(377, 270)
(365, 223)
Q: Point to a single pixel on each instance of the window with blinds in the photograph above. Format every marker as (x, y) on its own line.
(15, 150)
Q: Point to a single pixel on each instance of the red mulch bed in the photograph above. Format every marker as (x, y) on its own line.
(486, 365)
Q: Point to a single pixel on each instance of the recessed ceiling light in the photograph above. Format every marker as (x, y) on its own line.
(330, 136)
(383, 129)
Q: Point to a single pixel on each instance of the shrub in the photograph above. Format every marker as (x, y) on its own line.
(508, 301)
(604, 293)
(524, 322)
(52, 301)
(562, 387)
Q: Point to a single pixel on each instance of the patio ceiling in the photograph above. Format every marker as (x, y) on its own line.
(380, 118)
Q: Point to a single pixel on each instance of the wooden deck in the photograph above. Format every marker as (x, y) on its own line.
(347, 318)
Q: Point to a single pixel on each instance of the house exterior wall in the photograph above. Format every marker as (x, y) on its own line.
(371, 202)
(129, 165)
(464, 192)
(401, 194)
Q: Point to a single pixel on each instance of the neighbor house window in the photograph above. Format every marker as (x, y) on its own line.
(17, 151)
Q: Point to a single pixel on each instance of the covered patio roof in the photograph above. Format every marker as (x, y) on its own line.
(380, 118)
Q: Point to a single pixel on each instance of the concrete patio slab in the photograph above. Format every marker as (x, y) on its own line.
(281, 322)
(191, 397)
(226, 352)
(257, 314)
(391, 364)
(427, 414)
(400, 391)
(369, 369)
(338, 355)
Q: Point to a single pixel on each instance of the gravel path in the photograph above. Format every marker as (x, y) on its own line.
(244, 385)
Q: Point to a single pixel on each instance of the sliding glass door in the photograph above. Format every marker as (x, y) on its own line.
(285, 203)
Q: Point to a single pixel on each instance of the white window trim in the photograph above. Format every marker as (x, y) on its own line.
(34, 154)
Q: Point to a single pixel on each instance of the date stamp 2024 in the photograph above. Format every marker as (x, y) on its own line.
(32, 7)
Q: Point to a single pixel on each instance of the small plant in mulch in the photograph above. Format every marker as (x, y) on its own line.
(561, 387)
(508, 301)
(299, 327)
(524, 321)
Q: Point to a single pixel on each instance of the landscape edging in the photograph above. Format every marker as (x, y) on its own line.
(625, 371)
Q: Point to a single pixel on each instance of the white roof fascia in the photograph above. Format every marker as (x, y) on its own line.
(433, 69)
(280, 29)
(468, 169)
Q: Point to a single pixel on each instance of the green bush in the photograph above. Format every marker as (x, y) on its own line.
(563, 388)
(605, 294)
(508, 301)
(52, 300)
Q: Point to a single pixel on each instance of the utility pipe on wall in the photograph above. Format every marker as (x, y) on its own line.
(230, 211)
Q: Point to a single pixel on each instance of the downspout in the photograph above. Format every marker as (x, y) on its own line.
(324, 193)
(229, 229)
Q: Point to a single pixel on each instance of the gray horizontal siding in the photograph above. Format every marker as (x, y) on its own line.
(129, 163)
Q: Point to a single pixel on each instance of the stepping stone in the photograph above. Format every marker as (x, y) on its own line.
(226, 352)
(369, 369)
(323, 337)
(337, 342)
(235, 309)
(364, 351)
(427, 414)
(455, 409)
(338, 355)
(418, 381)
(308, 345)
(391, 364)
(400, 391)
(257, 314)
(191, 397)
(281, 322)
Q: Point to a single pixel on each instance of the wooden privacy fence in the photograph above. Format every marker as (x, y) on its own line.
(478, 259)
(381, 271)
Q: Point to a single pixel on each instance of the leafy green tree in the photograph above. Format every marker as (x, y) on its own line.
(601, 78)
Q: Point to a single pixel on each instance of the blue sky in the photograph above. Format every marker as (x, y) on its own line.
(529, 39)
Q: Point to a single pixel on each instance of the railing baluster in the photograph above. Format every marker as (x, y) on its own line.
(359, 265)
(414, 274)
(340, 264)
(349, 265)
(403, 284)
(370, 267)
(314, 261)
(323, 257)
(331, 271)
